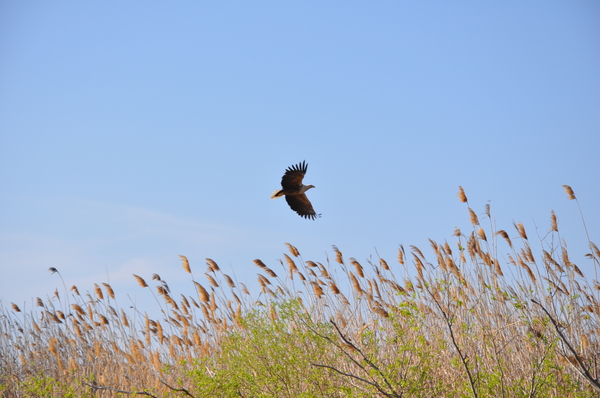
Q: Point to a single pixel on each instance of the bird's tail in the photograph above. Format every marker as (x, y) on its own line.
(278, 193)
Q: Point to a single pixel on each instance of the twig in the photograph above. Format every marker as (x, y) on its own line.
(96, 387)
(463, 357)
(581, 368)
(359, 365)
(350, 375)
(178, 389)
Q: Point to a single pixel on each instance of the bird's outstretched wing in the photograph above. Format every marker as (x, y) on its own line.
(301, 205)
(293, 176)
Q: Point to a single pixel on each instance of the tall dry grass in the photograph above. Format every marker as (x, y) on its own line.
(492, 314)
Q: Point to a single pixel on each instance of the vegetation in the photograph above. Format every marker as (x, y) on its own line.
(482, 318)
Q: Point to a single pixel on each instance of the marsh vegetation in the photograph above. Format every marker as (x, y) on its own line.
(488, 313)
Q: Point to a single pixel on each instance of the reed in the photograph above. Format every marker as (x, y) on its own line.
(483, 317)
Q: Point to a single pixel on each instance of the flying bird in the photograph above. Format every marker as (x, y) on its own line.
(294, 191)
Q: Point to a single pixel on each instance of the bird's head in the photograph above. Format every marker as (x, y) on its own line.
(305, 188)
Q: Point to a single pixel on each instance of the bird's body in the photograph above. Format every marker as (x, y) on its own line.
(294, 191)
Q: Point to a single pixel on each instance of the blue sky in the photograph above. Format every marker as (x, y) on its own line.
(132, 132)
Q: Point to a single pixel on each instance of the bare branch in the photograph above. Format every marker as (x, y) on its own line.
(581, 368)
(463, 357)
(183, 390)
(350, 344)
(96, 387)
(355, 377)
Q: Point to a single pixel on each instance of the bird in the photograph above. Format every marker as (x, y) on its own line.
(294, 191)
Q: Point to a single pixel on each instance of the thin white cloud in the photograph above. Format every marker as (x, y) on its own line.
(102, 242)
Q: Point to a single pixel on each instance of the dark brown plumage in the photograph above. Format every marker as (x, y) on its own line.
(294, 191)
